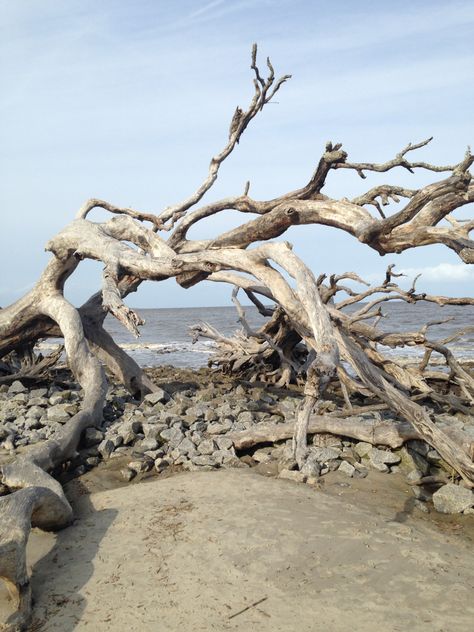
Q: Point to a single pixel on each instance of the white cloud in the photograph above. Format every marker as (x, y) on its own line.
(442, 272)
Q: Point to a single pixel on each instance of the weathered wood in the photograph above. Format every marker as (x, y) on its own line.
(307, 335)
(392, 434)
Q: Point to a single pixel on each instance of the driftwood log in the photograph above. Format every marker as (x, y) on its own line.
(310, 335)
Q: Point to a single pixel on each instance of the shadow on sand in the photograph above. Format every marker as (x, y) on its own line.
(59, 577)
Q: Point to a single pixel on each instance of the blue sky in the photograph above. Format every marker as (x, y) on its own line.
(127, 101)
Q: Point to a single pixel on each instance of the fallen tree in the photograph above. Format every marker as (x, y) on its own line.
(309, 337)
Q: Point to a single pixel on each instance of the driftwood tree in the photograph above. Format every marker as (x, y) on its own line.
(309, 336)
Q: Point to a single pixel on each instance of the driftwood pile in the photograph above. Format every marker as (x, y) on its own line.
(309, 335)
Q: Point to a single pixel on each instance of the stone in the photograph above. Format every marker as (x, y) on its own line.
(224, 443)
(9, 443)
(59, 397)
(92, 461)
(127, 473)
(346, 468)
(433, 457)
(411, 460)
(106, 447)
(292, 475)
(148, 444)
(453, 499)
(152, 430)
(378, 465)
(58, 413)
(140, 466)
(186, 447)
(223, 456)
(203, 459)
(198, 411)
(20, 398)
(160, 396)
(362, 449)
(418, 446)
(246, 417)
(173, 436)
(206, 447)
(38, 392)
(16, 387)
(219, 428)
(264, 455)
(35, 412)
(323, 455)
(311, 466)
(384, 456)
(92, 436)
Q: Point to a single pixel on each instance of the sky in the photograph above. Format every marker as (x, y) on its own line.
(127, 101)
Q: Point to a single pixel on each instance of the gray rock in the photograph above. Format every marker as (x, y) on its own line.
(219, 428)
(140, 466)
(152, 430)
(346, 468)
(384, 456)
(453, 499)
(378, 465)
(362, 449)
(323, 455)
(9, 443)
(434, 457)
(92, 461)
(418, 446)
(158, 397)
(264, 455)
(38, 392)
(203, 459)
(198, 411)
(58, 413)
(173, 436)
(311, 467)
(127, 473)
(186, 447)
(206, 447)
(35, 412)
(59, 397)
(224, 443)
(223, 456)
(16, 387)
(246, 417)
(38, 401)
(106, 447)
(292, 475)
(411, 460)
(148, 444)
(92, 436)
(161, 464)
(20, 398)
(32, 423)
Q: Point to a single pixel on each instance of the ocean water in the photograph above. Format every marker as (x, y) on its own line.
(165, 337)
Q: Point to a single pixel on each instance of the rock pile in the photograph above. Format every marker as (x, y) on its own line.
(187, 424)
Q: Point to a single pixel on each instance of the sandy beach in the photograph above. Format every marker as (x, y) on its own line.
(234, 550)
